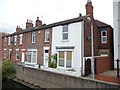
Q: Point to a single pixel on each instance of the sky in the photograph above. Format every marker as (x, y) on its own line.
(16, 12)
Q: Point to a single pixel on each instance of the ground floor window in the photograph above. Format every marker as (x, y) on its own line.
(65, 59)
(4, 53)
(17, 54)
(32, 56)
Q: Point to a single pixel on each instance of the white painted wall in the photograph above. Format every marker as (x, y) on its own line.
(116, 16)
(74, 39)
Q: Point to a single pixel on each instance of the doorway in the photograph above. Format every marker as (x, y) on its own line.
(87, 67)
(46, 56)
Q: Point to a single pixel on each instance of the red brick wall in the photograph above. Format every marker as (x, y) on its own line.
(0, 46)
(103, 64)
(108, 79)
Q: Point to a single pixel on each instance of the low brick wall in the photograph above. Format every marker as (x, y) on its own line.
(107, 78)
(47, 79)
(103, 64)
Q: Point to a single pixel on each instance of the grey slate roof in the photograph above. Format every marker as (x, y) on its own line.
(81, 18)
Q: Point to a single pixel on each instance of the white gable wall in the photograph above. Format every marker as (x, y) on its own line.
(74, 39)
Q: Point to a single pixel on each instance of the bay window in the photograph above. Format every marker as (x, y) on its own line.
(65, 59)
(32, 56)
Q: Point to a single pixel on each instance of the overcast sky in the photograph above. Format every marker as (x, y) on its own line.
(16, 12)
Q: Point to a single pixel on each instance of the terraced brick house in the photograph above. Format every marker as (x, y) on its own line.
(69, 39)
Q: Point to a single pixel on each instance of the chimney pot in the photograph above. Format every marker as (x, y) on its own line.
(37, 18)
(80, 14)
(29, 24)
(38, 22)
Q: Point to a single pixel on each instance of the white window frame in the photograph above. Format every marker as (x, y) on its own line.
(103, 36)
(17, 54)
(47, 32)
(15, 40)
(33, 37)
(20, 39)
(65, 53)
(10, 50)
(9, 40)
(65, 33)
(5, 53)
(32, 50)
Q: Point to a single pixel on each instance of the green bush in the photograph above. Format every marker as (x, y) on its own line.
(53, 61)
(8, 70)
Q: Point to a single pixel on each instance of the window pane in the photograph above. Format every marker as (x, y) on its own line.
(65, 36)
(29, 57)
(103, 33)
(34, 57)
(68, 59)
(104, 39)
(68, 64)
(4, 53)
(69, 55)
(65, 28)
(17, 55)
(47, 35)
(33, 37)
(61, 55)
(61, 62)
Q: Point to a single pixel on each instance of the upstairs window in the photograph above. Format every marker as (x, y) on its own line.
(5, 41)
(20, 42)
(65, 32)
(104, 36)
(9, 41)
(15, 40)
(33, 37)
(47, 35)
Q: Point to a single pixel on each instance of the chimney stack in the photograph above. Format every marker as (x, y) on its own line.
(18, 29)
(29, 24)
(89, 8)
(38, 22)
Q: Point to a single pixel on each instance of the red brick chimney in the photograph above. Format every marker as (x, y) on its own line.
(29, 24)
(89, 8)
(38, 22)
(18, 29)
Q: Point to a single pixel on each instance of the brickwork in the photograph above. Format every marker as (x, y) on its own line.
(107, 79)
(103, 64)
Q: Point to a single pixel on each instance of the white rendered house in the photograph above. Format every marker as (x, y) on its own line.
(67, 42)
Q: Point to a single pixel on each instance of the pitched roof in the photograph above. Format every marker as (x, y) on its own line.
(48, 26)
(101, 24)
(80, 18)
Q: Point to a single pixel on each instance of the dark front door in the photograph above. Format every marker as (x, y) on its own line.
(87, 67)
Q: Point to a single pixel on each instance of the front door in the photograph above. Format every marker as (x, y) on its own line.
(46, 57)
(87, 67)
(23, 56)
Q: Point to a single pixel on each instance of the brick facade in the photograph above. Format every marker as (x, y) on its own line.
(39, 29)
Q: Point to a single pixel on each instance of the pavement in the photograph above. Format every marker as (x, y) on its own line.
(110, 73)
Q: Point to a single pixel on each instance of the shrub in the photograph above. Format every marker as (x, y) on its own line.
(53, 61)
(8, 70)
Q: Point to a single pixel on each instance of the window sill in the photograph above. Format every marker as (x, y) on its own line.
(46, 41)
(33, 42)
(65, 40)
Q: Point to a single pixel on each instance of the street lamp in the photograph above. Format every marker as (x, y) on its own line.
(92, 51)
(92, 47)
